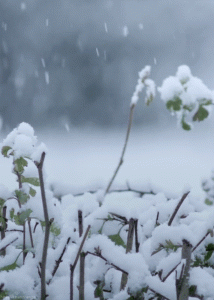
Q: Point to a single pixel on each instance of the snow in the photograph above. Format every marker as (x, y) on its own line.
(43, 62)
(143, 76)
(125, 31)
(183, 73)
(171, 86)
(140, 26)
(106, 27)
(47, 79)
(191, 222)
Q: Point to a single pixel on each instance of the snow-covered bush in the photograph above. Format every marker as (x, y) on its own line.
(124, 244)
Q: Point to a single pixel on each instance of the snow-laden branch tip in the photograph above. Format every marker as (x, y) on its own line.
(143, 81)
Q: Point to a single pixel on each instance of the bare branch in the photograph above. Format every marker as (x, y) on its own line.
(177, 208)
(3, 248)
(109, 263)
(59, 261)
(124, 148)
(48, 223)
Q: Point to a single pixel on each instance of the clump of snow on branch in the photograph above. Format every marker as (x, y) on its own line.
(144, 81)
(22, 143)
(186, 96)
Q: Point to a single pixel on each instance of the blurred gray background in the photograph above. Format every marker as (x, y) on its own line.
(76, 62)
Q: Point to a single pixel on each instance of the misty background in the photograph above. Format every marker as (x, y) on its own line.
(72, 62)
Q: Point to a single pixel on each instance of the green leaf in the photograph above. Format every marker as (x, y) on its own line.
(185, 125)
(23, 197)
(55, 229)
(10, 267)
(3, 223)
(188, 107)
(208, 255)
(32, 192)
(32, 180)
(3, 294)
(98, 292)
(201, 114)
(175, 104)
(2, 201)
(12, 213)
(192, 290)
(19, 165)
(205, 101)
(117, 240)
(4, 151)
(21, 217)
(171, 246)
(208, 202)
(149, 99)
(210, 247)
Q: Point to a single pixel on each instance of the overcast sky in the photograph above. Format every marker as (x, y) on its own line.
(78, 61)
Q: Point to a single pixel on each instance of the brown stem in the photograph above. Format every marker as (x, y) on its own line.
(3, 252)
(196, 246)
(137, 244)
(24, 253)
(58, 261)
(19, 179)
(128, 249)
(48, 222)
(111, 264)
(3, 248)
(81, 246)
(124, 148)
(71, 282)
(163, 297)
(182, 285)
(72, 267)
(177, 208)
(82, 260)
(30, 232)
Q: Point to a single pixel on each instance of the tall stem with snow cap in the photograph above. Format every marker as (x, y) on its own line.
(150, 93)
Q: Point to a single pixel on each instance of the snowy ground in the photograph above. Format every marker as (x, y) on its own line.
(85, 159)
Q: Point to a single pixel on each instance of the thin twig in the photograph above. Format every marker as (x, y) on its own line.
(130, 237)
(19, 230)
(196, 246)
(3, 248)
(58, 261)
(34, 229)
(109, 263)
(3, 252)
(137, 244)
(124, 148)
(30, 232)
(82, 261)
(80, 222)
(23, 248)
(19, 179)
(72, 267)
(177, 208)
(156, 222)
(119, 217)
(164, 297)
(81, 246)
(119, 191)
(182, 286)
